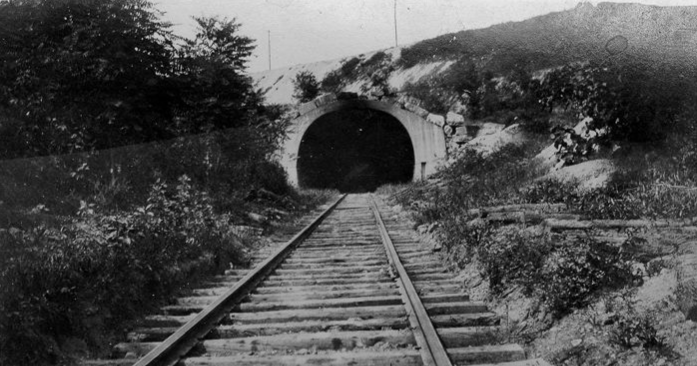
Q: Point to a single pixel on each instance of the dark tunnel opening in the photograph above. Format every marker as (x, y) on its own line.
(355, 150)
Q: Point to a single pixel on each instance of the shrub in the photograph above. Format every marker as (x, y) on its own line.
(349, 68)
(514, 257)
(336, 79)
(332, 82)
(305, 87)
(576, 270)
(488, 180)
(377, 59)
(87, 279)
(632, 329)
(434, 97)
(624, 101)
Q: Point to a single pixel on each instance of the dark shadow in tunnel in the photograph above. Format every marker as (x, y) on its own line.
(355, 150)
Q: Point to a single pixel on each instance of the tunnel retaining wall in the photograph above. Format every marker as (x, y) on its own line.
(428, 139)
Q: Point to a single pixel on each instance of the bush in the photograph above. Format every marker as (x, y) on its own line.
(514, 257)
(86, 280)
(376, 60)
(575, 271)
(434, 97)
(628, 100)
(336, 79)
(481, 180)
(332, 82)
(632, 329)
(305, 87)
(349, 68)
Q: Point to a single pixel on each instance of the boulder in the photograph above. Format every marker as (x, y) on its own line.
(487, 144)
(416, 110)
(589, 174)
(448, 130)
(461, 131)
(490, 128)
(454, 119)
(436, 119)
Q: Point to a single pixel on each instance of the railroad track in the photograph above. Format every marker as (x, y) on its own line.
(352, 288)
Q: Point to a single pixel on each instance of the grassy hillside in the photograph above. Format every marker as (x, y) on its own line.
(586, 32)
(651, 36)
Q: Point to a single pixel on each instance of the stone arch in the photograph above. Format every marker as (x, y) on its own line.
(427, 139)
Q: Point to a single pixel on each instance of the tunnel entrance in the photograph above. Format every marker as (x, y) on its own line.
(355, 150)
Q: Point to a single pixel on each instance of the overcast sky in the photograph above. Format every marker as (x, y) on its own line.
(305, 31)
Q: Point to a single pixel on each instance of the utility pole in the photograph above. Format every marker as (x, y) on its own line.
(269, 32)
(396, 44)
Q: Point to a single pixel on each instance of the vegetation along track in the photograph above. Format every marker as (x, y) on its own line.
(351, 288)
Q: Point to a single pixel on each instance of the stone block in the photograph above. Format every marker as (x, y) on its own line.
(436, 119)
(406, 99)
(461, 131)
(461, 139)
(325, 99)
(454, 119)
(307, 107)
(416, 110)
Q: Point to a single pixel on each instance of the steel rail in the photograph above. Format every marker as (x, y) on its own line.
(178, 344)
(433, 352)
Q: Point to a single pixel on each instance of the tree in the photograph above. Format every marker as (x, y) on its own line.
(628, 101)
(80, 75)
(305, 87)
(213, 91)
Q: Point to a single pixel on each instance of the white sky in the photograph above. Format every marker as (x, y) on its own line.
(305, 31)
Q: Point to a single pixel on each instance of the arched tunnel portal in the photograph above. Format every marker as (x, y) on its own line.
(359, 145)
(355, 150)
